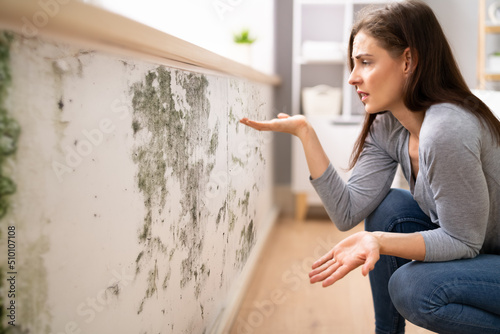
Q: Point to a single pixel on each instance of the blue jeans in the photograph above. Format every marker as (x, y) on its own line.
(461, 296)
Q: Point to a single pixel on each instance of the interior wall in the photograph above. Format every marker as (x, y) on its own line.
(459, 20)
(138, 196)
(208, 23)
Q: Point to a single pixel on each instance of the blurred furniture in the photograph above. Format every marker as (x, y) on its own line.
(489, 25)
(321, 31)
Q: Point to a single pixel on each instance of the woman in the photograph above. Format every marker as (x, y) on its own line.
(421, 115)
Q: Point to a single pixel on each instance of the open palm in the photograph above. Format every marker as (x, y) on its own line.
(295, 125)
(360, 249)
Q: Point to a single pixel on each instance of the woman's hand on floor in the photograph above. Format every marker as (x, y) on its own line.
(358, 249)
(296, 125)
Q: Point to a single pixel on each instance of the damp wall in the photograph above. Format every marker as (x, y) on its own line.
(136, 198)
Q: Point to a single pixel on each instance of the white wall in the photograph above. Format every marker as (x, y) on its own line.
(207, 23)
(459, 20)
(131, 212)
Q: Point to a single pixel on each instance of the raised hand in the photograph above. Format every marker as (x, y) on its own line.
(359, 249)
(296, 125)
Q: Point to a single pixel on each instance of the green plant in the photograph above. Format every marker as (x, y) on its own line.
(243, 37)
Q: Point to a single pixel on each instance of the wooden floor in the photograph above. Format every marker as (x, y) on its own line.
(280, 298)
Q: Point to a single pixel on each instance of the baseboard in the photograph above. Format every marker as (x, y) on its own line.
(237, 292)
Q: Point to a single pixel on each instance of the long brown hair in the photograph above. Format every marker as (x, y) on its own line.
(435, 77)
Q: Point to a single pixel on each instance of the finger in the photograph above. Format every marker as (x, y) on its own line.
(244, 121)
(322, 268)
(261, 126)
(283, 115)
(369, 263)
(337, 275)
(328, 272)
(327, 257)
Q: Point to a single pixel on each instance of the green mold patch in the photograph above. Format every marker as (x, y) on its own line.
(232, 220)
(9, 128)
(247, 240)
(214, 141)
(243, 203)
(137, 262)
(166, 279)
(221, 214)
(9, 134)
(192, 270)
(237, 161)
(174, 145)
(232, 119)
(34, 311)
(152, 287)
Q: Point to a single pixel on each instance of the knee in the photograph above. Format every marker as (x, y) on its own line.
(401, 291)
(408, 294)
(388, 210)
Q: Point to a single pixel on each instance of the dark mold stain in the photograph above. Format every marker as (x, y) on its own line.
(177, 143)
(136, 126)
(232, 220)
(9, 134)
(237, 161)
(214, 141)
(221, 214)
(60, 104)
(9, 128)
(166, 279)
(137, 261)
(233, 119)
(152, 288)
(247, 240)
(243, 203)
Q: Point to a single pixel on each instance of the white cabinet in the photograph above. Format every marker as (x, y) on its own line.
(338, 141)
(321, 31)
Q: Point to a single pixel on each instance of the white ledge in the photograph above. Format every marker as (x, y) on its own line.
(90, 26)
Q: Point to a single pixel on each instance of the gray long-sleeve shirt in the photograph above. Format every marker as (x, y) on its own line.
(458, 184)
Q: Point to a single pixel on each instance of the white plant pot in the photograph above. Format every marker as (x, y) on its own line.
(243, 53)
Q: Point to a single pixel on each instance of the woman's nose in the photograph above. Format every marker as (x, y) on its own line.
(354, 78)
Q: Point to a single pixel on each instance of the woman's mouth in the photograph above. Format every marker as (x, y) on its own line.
(363, 95)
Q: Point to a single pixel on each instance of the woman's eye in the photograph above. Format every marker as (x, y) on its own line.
(365, 62)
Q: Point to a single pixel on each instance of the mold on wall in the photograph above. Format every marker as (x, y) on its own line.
(9, 128)
(139, 195)
(173, 133)
(9, 135)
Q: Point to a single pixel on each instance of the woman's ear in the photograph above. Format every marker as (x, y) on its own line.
(409, 61)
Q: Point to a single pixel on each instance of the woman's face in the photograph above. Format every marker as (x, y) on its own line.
(378, 77)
